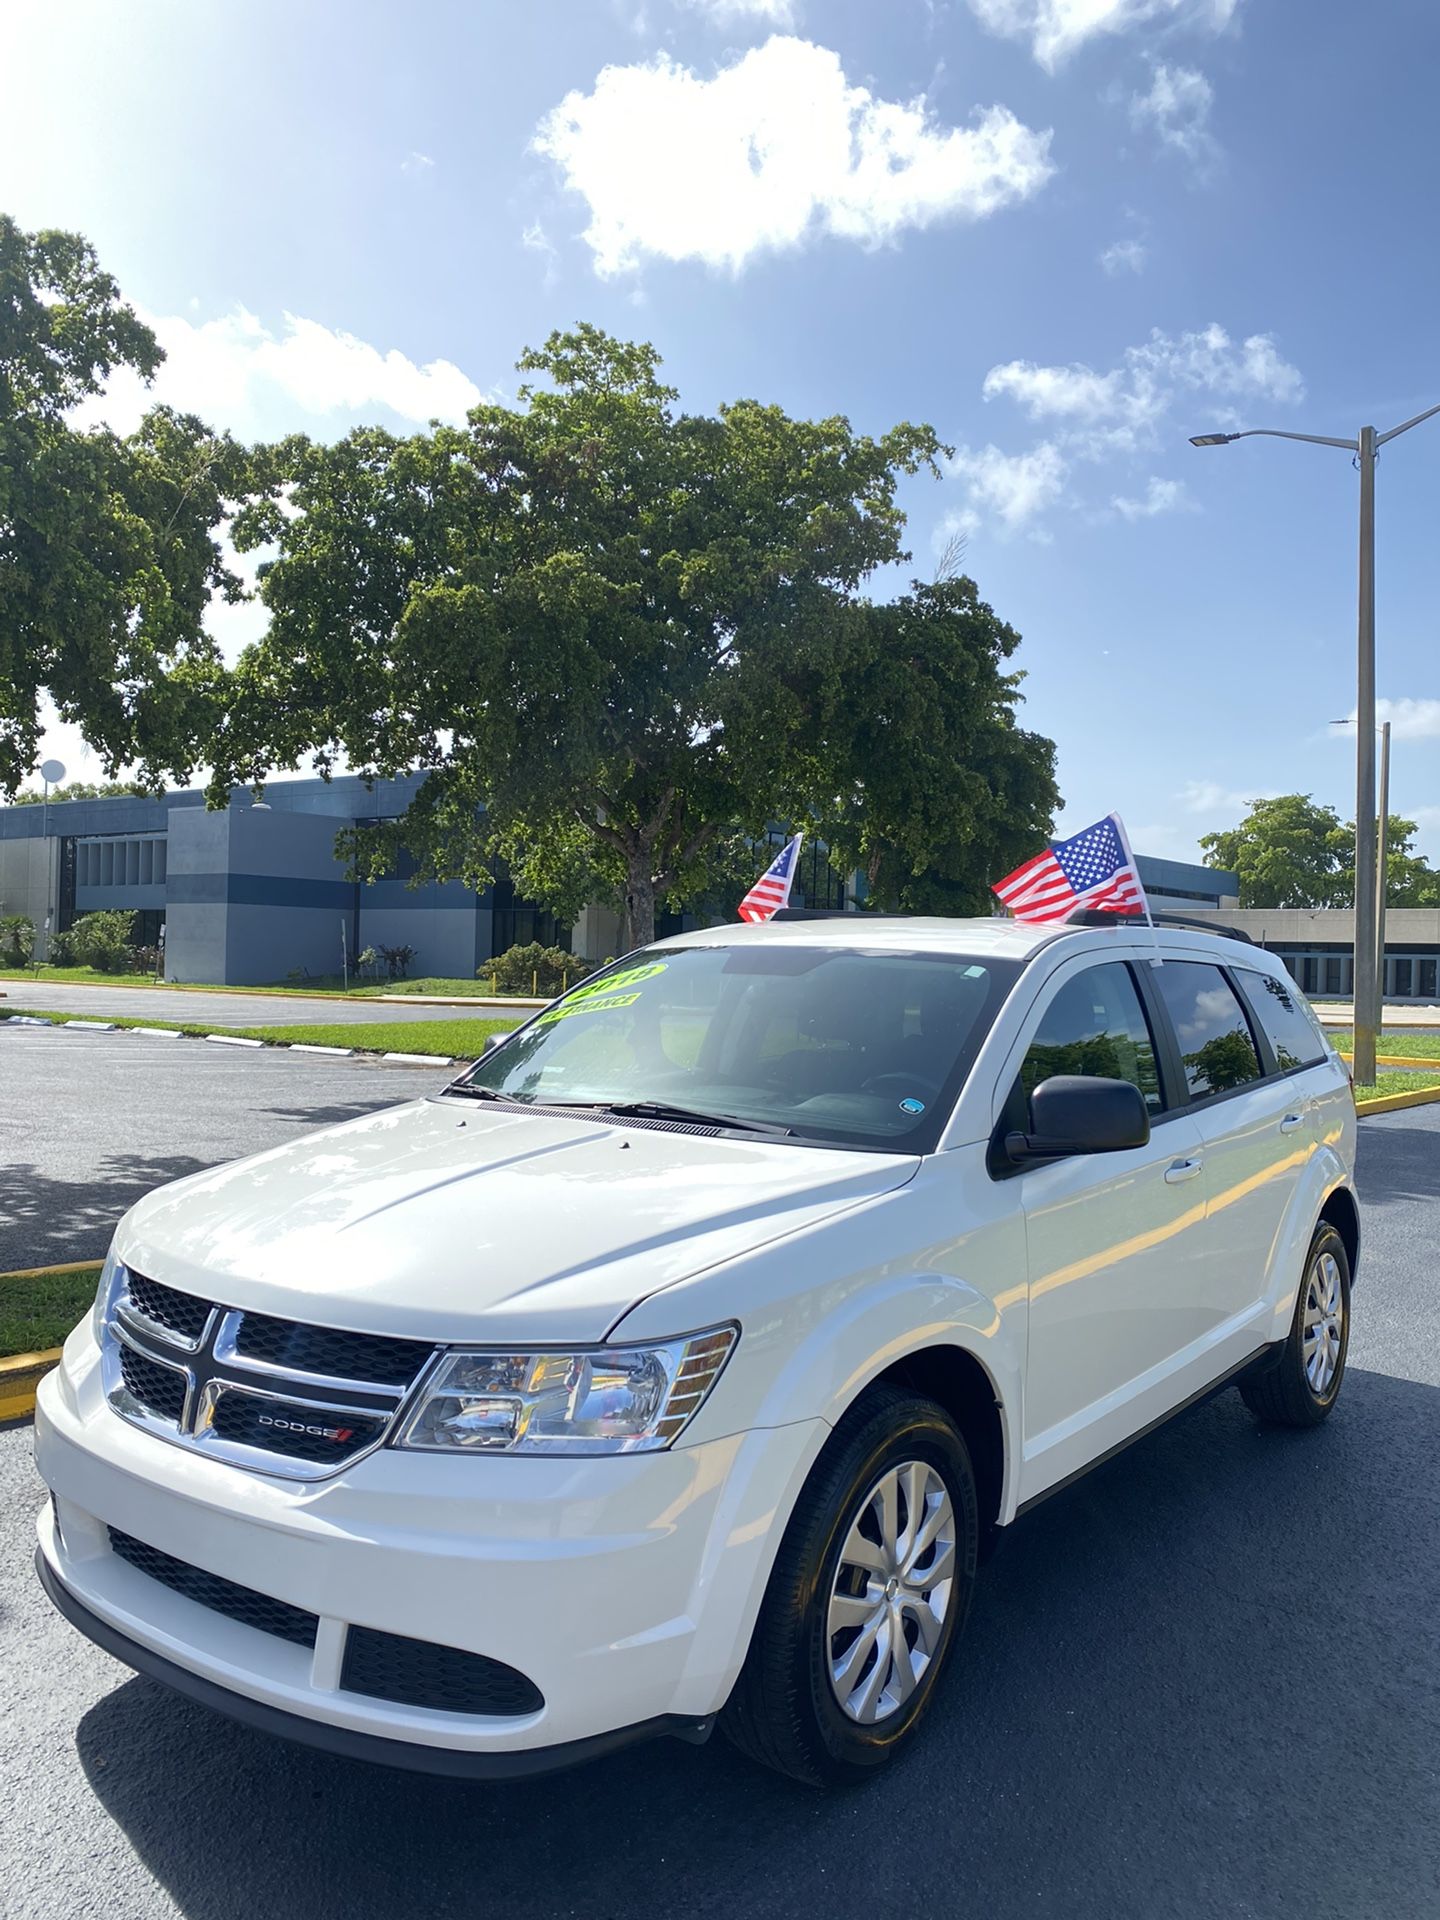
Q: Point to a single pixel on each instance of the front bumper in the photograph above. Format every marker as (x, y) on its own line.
(625, 1589)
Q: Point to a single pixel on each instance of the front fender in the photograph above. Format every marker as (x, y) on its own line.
(940, 1263)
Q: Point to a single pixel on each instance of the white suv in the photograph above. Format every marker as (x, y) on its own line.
(680, 1360)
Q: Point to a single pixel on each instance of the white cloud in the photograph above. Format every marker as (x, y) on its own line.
(1209, 797)
(1091, 417)
(1409, 719)
(234, 372)
(1124, 256)
(1160, 496)
(774, 13)
(415, 163)
(1055, 28)
(1177, 111)
(1126, 404)
(1010, 488)
(776, 147)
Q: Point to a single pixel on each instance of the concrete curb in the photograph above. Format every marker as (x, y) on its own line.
(1393, 1102)
(242, 1040)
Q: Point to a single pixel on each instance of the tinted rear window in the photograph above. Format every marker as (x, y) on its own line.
(1287, 1020)
(1217, 1048)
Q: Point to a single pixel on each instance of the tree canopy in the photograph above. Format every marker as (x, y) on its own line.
(1289, 851)
(79, 790)
(619, 636)
(108, 548)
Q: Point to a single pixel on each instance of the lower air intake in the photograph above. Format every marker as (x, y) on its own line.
(418, 1673)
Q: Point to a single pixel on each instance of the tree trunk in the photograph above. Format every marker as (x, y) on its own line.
(639, 902)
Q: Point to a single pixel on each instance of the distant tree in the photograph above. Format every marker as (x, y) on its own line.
(632, 637)
(102, 939)
(1290, 852)
(108, 555)
(80, 790)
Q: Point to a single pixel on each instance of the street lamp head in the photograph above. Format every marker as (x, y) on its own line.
(1212, 439)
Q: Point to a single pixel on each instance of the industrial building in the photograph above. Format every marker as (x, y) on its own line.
(254, 893)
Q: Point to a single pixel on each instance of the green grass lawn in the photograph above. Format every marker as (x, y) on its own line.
(1406, 1043)
(75, 977)
(1397, 1080)
(38, 1311)
(460, 1039)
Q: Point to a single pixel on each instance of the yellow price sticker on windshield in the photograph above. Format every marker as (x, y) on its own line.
(599, 1003)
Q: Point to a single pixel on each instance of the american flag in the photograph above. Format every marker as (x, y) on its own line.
(1094, 868)
(772, 890)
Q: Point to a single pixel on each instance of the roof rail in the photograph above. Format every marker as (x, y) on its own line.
(1097, 917)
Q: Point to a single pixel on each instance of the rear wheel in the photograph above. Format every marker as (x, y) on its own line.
(871, 1585)
(1301, 1386)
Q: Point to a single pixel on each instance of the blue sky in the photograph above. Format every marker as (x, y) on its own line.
(1068, 233)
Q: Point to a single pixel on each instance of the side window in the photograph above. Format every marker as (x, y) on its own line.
(1095, 1025)
(1286, 1019)
(1216, 1045)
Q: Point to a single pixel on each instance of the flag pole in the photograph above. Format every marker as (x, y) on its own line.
(1157, 959)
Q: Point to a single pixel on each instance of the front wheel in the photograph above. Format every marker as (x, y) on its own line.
(870, 1587)
(1299, 1388)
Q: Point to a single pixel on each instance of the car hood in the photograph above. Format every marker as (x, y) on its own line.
(452, 1222)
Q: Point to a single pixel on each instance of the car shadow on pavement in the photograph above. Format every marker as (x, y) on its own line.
(1407, 1169)
(1201, 1681)
(46, 1220)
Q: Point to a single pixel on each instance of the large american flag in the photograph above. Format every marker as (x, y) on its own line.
(772, 890)
(1094, 868)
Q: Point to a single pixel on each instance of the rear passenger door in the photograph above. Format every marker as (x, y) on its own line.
(1256, 1128)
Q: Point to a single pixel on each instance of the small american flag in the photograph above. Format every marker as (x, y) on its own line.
(772, 890)
(1094, 868)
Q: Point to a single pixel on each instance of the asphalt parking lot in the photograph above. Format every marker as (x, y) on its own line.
(1205, 1681)
(220, 1009)
(66, 1098)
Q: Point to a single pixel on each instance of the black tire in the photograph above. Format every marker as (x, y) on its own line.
(784, 1711)
(1281, 1392)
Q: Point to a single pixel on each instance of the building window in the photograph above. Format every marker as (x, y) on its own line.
(1425, 987)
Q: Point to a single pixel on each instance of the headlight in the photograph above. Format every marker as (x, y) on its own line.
(593, 1400)
(112, 1277)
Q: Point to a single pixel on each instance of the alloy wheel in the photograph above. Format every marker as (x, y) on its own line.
(1322, 1334)
(891, 1592)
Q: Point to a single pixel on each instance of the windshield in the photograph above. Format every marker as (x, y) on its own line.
(825, 1046)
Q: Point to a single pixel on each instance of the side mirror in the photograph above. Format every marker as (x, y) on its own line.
(490, 1042)
(1072, 1113)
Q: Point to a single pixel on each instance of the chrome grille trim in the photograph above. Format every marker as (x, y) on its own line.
(213, 1370)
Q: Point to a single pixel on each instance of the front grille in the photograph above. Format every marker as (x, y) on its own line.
(210, 1590)
(418, 1673)
(181, 1313)
(348, 1356)
(300, 1430)
(159, 1389)
(231, 1382)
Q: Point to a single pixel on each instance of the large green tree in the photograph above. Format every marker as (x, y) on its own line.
(620, 636)
(108, 545)
(1291, 852)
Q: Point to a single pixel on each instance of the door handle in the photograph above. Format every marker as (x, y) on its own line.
(1179, 1170)
(1291, 1122)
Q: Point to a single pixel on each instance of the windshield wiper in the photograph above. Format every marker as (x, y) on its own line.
(665, 1110)
(482, 1093)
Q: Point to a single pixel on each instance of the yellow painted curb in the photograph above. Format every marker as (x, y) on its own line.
(39, 1273)
(19, 1377)
(1402, 1060)
(1392, 1102)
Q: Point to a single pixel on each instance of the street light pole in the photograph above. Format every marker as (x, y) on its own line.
(1365, 447)
(1366, 997)
(1381, 868)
